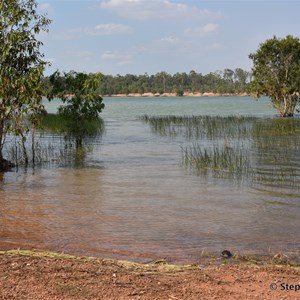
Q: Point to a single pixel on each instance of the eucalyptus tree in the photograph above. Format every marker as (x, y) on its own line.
(276, 73)
(21, 69)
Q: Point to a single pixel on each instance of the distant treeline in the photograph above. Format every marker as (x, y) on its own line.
(227, 81)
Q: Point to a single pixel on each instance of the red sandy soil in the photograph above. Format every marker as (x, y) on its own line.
(44, 276)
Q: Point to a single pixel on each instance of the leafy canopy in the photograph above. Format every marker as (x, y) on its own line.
(82, 102)
(21, 67)
(276, 73)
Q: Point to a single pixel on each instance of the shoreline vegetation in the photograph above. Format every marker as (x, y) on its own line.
(205, 258)
(220, 83)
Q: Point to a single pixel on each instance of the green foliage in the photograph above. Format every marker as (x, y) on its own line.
(52, 123)
(179, 92)
(276, 73)
(82, 102)
(58, 123)
(21, 68)
(162, 82)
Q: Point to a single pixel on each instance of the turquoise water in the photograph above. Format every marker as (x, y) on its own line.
(132, 107)
(132, 198)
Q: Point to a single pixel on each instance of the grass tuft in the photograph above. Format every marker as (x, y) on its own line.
(264, 150)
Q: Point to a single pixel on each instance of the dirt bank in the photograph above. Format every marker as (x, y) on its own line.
(30, 275)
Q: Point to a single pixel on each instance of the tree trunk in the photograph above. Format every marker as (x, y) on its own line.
(288, 107)
(33, 144)
(5, 165)
(78, 142)
(286, 114)
(25, 154)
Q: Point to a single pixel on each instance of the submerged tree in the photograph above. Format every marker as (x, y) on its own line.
(21, 69)
(276, 73)
(82, 103)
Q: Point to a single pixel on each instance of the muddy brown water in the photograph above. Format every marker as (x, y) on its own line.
(131, 198)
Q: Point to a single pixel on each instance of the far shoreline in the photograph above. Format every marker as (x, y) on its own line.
(185, 94)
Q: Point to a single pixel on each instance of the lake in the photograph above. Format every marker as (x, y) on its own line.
(133, 198)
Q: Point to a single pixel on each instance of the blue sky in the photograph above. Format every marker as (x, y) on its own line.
(150, 36)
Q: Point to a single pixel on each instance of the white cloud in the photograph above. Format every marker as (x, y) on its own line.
(155, 9)
(109, 55)
(110, 29)
(120, 59)
(200, 31)
(115, 55)
(98, 30)
(170, 39)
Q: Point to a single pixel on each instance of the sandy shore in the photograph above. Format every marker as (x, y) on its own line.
(42, 275)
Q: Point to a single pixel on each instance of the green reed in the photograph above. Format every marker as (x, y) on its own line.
(57, 123)
(45, 151)
(201, 127)
(219, 161)
(50, 151)
(276, 127)
(52, 123)
(54, 143)
(237, 147)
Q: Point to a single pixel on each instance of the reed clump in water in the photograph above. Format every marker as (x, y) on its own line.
(54, 143)
(226, 161)
(237, 147)
(201, 127)
(57, 123)
(276, 146)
